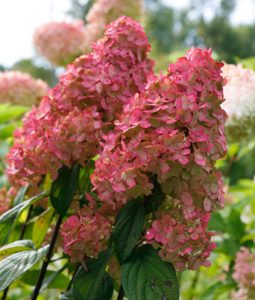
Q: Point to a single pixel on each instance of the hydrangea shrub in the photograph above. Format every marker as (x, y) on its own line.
(133, 154)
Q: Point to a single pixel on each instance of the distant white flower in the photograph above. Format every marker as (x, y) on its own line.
(21, 88)
(239, 93)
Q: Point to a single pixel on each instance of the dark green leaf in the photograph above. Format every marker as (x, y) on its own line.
(85, 184)
(154, 200)
(41, 224)
(20, 195)
(128, 228)
(146, 277)
(63, 189)
(228, 246)
(217, 223)
(95, 284)
(8, 219)
(235, 227)
(53, 279)
(12, 267)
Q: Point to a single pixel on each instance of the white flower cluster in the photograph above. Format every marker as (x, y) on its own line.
(239, 93)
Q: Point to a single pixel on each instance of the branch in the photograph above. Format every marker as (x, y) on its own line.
(121, 293)
(47, 260)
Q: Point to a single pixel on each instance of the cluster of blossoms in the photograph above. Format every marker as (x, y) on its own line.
(85, 234)
(173, 130)
(60, 42)
(149, 130)
(239, 93)
(5, 200)
(104, 12)
(244, 274)
(67, 126)
(20, 88)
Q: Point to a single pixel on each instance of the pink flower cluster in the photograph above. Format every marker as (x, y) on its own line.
(20, 88)
(183, 242)
(174, 131)
(104, 12)
(60, 42)
(244, 272)
(85, 234)
(68, 124)
(5, 200)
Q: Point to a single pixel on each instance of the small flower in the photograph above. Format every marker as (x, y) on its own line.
(60, 42)
(85, 234)
(21, 88)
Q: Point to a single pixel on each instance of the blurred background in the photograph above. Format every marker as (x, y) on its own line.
(226, 26)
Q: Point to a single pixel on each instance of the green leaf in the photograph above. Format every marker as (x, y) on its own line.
(85, 184)
(146, 277)
(41, 225)
(67, 296)
(128, 228)
(218, 289)
(228, 246)
(20, 195)
(95, 284)
(12, 267)
(217, 222)
(235, 227)
(15, 247)
(63, 189)
(6, 130)
(52, 280)
(248, 237)
(9, 218)
(10, 112)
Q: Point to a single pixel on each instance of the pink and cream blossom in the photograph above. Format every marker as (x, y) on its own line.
(104, 12)
(20, 88)
(85, 234)
(244, 274)
(68, 125)
(60, 42)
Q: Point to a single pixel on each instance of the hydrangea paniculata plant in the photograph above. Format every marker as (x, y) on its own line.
(156, 137)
